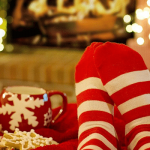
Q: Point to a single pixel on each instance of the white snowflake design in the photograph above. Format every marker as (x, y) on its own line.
(47, 117)
(21, 105)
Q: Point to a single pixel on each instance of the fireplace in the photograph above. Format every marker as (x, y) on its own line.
(68, 23)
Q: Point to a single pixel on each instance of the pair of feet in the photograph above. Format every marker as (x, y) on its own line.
(111, 74)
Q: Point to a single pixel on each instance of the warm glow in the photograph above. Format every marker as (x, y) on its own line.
(1, 20)
(139, 14)
(38, 8)
(2, 33)
(127, 18)
(146, 12)
(80, 16)
(3, 13)
(148, 2)
(134, 27)
(1, 47)
(9, 48)
(91, 4)
(138, 11)
(129, 28)
(3, 25)
(142, 14)
(72, 18)
(140, 41)
(1, 40)
(147, 9)
(137, 28)
(149, 21)
(149, 36)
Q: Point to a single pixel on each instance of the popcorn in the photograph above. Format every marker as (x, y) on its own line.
(23, 140)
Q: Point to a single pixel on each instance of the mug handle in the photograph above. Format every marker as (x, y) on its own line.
(64, 104)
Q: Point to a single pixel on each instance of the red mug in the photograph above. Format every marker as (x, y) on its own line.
(27, 107)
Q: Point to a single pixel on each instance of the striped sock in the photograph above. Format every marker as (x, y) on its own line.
(127, 81)
(95, 107)
(106, 74)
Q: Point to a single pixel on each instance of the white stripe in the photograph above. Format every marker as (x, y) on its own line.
(95, 105)
(89, 83)
(126, 79)
(92, 124)
(98, 137)
(147, 145)
(138, 137)
(136, 122)
(135, 102)
(92, 147)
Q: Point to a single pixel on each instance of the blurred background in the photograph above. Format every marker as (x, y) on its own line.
(69, 23)
(41, 41)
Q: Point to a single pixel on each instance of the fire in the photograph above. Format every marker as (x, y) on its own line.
(84, 7)
(38, 8)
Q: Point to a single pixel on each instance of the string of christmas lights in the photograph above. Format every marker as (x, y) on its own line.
(142, 21)
(3, 23)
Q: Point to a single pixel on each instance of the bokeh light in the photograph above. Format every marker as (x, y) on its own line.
(3, 23)
(147, 9)
(149, 21)
(139, 14)
(137, 28)
(1, 40)
(140, 41)
(1, 20)
(146, 13)
(1, 47)
(9, 47)
(148, 2)
(129, 28)
(127, 18)
(2, 33)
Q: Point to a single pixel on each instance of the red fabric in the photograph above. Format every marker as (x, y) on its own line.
(65, 130)
(120, 73)
(120, 128)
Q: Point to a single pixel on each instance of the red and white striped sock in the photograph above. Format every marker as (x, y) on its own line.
(106, 74)
(95, 107)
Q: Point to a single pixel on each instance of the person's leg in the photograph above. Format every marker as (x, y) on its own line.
(127, 81)
(95, 107)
